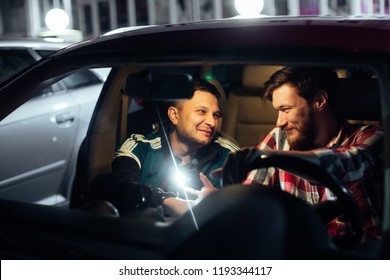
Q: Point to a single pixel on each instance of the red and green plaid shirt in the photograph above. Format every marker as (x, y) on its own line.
(353, 156)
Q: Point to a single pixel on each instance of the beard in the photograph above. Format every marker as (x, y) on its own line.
(191, 139)
(307, 132)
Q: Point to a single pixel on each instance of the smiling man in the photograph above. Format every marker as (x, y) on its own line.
(309, 122)
(146, 166)
(304, 101)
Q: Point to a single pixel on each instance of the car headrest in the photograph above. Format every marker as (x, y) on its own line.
(254, 76)
(359, 99)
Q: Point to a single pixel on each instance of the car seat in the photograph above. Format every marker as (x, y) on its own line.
(248, 116)
(364, 92)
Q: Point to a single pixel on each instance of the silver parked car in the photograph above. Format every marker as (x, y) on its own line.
(40, 140)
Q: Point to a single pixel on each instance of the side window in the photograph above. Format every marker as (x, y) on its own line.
(56, 122)
(12, 61)
(81, 79)
(52, 90)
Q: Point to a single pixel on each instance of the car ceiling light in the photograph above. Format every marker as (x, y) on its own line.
(57, 19)
(249, 8)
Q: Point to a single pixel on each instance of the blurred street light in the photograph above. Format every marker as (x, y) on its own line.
(57, 19)
(249, 8)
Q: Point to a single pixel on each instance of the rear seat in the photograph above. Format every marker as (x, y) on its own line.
(248, 117)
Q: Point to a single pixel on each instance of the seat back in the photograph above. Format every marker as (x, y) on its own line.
(249, 117)
(359, 100)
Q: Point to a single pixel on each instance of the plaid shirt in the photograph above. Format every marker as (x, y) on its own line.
(354, 155)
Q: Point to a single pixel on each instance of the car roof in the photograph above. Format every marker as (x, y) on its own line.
(271, 40)
(267, 39)
(313, 34)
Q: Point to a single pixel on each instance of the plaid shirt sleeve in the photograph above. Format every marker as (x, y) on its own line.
(357, 157)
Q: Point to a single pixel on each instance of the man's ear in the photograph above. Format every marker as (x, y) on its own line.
(320, 100)
(173, 114)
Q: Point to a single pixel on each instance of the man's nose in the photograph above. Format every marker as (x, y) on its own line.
(281, 121)
(211, 120)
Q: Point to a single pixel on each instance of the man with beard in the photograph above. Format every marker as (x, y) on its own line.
(146, 166)
(310, 124)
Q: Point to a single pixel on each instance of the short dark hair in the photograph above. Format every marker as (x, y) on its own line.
(201, 84)
(308, 81)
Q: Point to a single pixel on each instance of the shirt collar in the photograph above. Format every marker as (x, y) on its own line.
(339, 138)
(204, 154)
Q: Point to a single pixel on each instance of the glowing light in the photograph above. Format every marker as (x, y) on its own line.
(180, 178)
(209, 77)
(57, 19)
(248, 8)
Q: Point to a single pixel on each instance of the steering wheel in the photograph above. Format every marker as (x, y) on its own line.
(237, 167)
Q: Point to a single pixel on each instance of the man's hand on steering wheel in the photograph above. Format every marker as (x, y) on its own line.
(235, 168)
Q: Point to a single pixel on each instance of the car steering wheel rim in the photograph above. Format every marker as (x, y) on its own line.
(328, 210)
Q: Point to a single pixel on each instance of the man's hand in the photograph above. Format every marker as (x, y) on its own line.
(176, 206)
(207, 186)
(237, 165)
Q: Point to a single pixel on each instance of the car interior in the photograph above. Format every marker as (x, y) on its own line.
(246, 119)
(228, 224)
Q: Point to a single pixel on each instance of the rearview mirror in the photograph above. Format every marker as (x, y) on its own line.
(159, 86)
